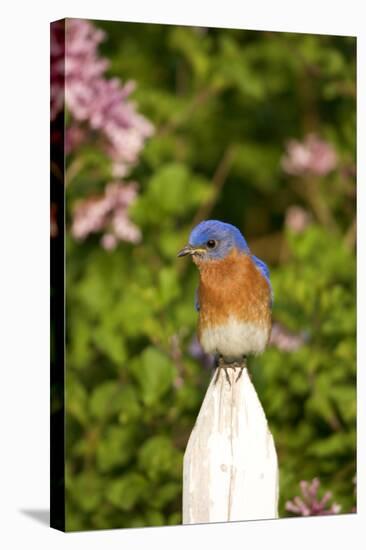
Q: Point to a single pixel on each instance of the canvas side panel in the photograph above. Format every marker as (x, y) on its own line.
(57, 424)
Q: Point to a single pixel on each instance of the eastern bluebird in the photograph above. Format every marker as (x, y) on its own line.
(234, 296)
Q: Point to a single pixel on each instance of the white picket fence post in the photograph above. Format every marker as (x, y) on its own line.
(230, 469)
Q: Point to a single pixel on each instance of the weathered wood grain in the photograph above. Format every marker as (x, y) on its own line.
(230, 469)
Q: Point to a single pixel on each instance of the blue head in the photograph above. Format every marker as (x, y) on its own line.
(213, 240)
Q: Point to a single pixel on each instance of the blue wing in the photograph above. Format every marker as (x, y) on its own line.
(196, 301)
(263, 268)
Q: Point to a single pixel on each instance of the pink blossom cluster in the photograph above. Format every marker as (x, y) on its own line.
(297, 219)
(313, 156)
(285, 340)
(102, 113)
(309, 505)
(99, 103)
(107, 213)
(57, 51)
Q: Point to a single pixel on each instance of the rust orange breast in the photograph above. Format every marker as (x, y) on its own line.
(232, 287)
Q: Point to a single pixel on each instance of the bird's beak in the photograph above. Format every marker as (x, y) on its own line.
(190, 250)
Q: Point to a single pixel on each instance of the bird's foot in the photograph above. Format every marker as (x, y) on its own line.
(242, 365)
(221, 364)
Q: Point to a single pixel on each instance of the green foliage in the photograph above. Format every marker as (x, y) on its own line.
(310, 395)
(224, 103)
(154, 373)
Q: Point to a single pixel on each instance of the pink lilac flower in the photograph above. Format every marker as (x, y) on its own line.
(309, 504)
(75, 136)
(313, 156)
(101, 112)
(57, 51)
(297, 219)
(107, 213)
(94, 102)
(285, 340)
(109, 241)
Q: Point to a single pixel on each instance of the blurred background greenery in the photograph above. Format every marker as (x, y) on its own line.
(253, 128)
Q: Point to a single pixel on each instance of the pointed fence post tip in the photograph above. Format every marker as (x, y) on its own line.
(230, 468)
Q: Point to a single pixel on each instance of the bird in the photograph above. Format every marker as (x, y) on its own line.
(234, 296)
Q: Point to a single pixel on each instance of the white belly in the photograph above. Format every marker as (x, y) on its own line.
(235, 339)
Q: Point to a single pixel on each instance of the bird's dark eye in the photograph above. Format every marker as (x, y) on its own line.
(211, 243)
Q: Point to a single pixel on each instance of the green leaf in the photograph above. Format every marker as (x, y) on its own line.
(109, 340)
(154, 373)
(166, 493)
(102, 400)
(154, 518)
(129, 405)
(336, 444)
(79, 349)
(172, 191)
(116, 447)
(112, 398)
(169, 286)
(86, 489)
(158, 457)
(194, 48)
(126, 492)
(76, 400)
(175, 518)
